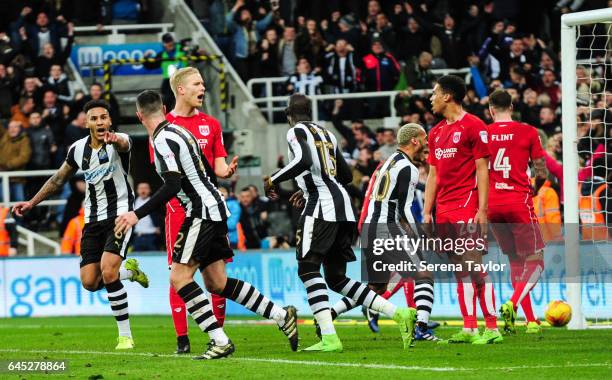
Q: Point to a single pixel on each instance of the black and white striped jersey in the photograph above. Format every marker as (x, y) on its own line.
(393, 191)
(320, 171)
(177, 150)
(108, 192)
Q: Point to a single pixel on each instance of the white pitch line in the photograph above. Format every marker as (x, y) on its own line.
(315, 362)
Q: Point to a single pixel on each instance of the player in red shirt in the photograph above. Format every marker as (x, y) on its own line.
(514, 222)
(458, 183)
(188, 87)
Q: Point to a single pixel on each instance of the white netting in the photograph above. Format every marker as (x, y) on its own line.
(594, 121)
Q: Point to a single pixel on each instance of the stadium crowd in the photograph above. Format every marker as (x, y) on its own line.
(327, 46)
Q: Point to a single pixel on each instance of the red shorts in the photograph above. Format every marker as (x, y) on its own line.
(174, 220)
(516, 228)
(458, 224)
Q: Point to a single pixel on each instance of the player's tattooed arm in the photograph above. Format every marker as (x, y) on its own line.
(539, 167)
(52, 186)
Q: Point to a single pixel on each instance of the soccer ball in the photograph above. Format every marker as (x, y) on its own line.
(558, 313)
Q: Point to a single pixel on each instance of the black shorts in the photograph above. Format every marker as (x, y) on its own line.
(204, 241)
(99, 237)
(317, 236)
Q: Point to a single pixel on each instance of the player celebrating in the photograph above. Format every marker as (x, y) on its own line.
(515, 224)
(188, 87)
(326, 227)
(390, 200)
(458, 183)
(104, 158)
(202, 239)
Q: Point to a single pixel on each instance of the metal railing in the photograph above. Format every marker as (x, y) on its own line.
(6, 175)
(269, 100)
(270, 108)
(119, 29)
(31, 237)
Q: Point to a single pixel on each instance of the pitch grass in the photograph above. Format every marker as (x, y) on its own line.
(262, 352)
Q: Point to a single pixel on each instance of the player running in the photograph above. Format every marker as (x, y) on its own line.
(389, 214)
(104, 158)
(458, 184)
(202, 239)
(327, 225)
(514, 222)
(188, 88)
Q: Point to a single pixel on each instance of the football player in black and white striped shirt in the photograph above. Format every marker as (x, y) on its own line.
(327, 226)
(202, 241)
(389, 214)
(104, 158)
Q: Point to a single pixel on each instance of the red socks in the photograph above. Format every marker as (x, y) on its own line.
(179, 313)
(218, 306)
(525, 275)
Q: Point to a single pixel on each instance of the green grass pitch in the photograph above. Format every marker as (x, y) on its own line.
(262, 352)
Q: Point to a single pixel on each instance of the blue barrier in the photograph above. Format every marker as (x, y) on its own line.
(50, 286)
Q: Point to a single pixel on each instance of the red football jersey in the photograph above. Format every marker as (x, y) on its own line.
(453, 150)
(208, 133)
(511, 145)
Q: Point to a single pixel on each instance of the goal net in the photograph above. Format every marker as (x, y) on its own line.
(586, 73)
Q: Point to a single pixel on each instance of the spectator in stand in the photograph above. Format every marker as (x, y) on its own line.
(380, 72)
(71, 240)
(43, 147)
(6, 93)
(529, 108)
(509, 55)
(547, 208)
(58, 82)
(246, 33)
(38, 34)
(234, 229)
(363, 169)
(550, 87)
(21, 112)
(52, 57)
(341, 73)
(412, 40)
(76, 130)
(310, 45)
(55, 115)
(452, 48)
(373, 10)
(287, 51)
(268, 59)
(363, 139)
(96, 92)
(389, 145)
(15, 153)
(147, 231)
(548, 121)
(32, 88)
(249, 219)
(171, 52)
(304, 80)
(517, 81)
(418, 72)
(383, 31)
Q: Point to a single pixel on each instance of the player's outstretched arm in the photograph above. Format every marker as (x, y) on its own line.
(52, 186)
(171, 186)
(223, 170)
(430, 194)
(120, 141)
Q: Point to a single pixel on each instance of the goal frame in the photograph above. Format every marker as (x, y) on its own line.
(569, 24)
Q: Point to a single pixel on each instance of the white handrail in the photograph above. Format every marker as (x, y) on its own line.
(355, 95)
(116, 29)
(5, 175)
(31, 237)
(269, 80)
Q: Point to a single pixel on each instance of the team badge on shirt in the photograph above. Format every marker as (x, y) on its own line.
(456, 137)
(483, 137)
(204, 130)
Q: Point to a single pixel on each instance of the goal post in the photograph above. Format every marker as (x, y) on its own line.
(570, 23)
